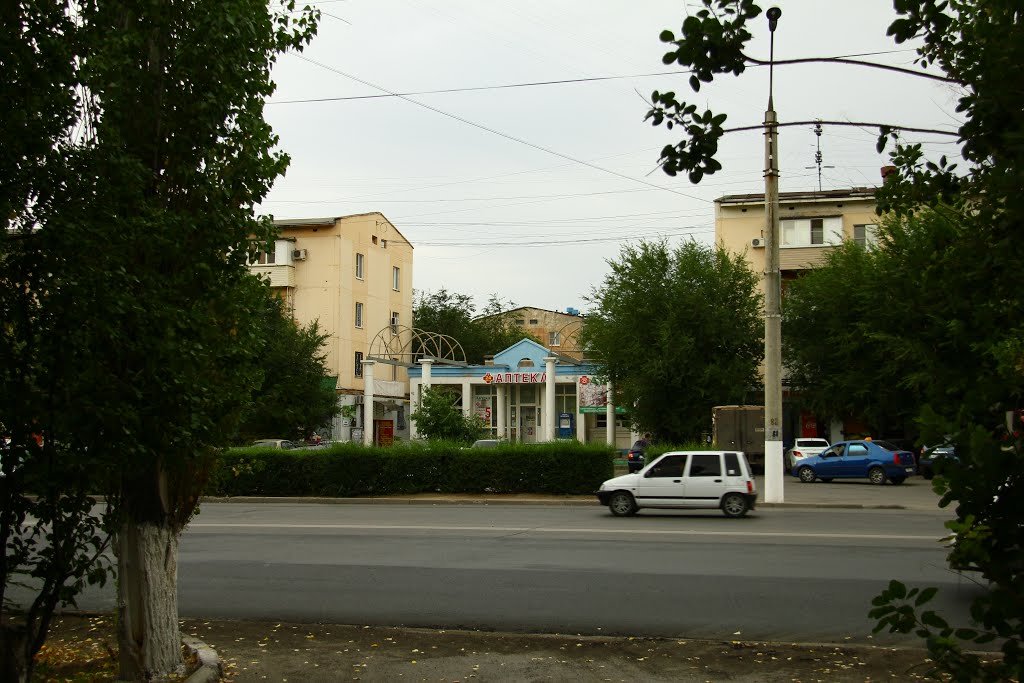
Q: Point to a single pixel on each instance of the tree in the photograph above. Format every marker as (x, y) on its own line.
(296, 395)
(439, 417)
(454, 315)
(978, 219)
(53, 541)
(678, 332)
(133, 236)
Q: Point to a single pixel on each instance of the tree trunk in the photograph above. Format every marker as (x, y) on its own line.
(13, 659)
(147, 602)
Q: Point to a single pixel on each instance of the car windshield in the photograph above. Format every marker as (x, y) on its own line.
(811, 443)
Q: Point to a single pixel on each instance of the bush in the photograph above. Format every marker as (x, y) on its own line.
(348, 470)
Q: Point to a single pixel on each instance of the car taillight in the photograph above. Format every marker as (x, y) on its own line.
(798, 454)
(750, 486)
(896, 458)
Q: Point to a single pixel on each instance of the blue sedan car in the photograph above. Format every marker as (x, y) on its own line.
(877, 461)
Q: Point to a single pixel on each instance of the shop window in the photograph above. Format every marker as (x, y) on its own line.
(601, 421)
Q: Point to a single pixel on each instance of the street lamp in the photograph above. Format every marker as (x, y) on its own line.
(773, 466)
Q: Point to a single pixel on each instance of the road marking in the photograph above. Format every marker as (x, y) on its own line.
(558, 530)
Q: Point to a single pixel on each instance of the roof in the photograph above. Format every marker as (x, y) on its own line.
(529, 308)
(794, 197)
(333, 220)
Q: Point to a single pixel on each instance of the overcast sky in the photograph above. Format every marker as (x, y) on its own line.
(508, 186)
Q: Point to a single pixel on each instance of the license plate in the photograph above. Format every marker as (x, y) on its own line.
(910, 470)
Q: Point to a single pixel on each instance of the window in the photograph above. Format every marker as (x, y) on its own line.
(811, 232)
(394, 322)
(732, 465)
(359, 266)
(396, 278)
(565, 398)
(359, 314)
(554, 339)
(705, 465)
(267, 258)
(865, 235)
(669, 466)
(359, 364)
(533, 321)
(520, 322)
(817, 231)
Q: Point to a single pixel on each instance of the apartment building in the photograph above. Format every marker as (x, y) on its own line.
(810, 225)
(352, 274)
(557, 331)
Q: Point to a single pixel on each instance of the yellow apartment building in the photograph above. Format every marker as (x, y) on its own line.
(557, 331)
(810, 225)
(352, 274)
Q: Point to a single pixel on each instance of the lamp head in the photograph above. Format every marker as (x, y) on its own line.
(773, 15)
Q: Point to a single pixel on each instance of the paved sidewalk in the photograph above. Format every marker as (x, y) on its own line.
(915, 494)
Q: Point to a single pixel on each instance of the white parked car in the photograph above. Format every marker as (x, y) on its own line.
(804, 448)
(685, 480)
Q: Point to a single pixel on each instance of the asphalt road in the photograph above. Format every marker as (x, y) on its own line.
(803, 575)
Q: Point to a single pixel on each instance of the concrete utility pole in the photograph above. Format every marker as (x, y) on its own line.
(773, 465)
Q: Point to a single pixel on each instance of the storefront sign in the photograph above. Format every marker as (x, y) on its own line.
(516, 378)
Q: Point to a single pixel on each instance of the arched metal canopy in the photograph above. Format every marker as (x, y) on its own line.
(406, 346)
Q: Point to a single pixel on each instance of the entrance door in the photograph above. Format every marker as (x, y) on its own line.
(529, 417)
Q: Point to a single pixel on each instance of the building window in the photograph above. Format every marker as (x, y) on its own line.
(565, 398)
(394, 322)
(520, 322)
(359, 266)
(811, 232)
(817, 231)
(554, 339)
(865, 235)
(359, 314)
(396, 278)
(267, 258)
(533, 321)
(359, 364)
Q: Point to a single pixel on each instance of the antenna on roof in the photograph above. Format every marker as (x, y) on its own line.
(817, 154)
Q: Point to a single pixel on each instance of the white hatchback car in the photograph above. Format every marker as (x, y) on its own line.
(685, 480)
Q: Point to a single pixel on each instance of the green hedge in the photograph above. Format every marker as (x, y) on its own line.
(347, 470)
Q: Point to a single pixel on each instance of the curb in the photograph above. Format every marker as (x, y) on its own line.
(294, 500)
(210, 668)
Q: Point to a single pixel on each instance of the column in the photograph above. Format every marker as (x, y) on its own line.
(467, 398)
(610, 418)
(414, 404)
(550, 418)
(502, 412)
(427, 363)
(368, 402)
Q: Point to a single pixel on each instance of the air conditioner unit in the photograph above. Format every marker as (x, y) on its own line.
(757, 242)
(299, 255)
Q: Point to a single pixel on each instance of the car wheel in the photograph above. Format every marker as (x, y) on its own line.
(734, 505)
(806, 475)
(622, 504)
(897, 480)
(876, 475)
(826, 479)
